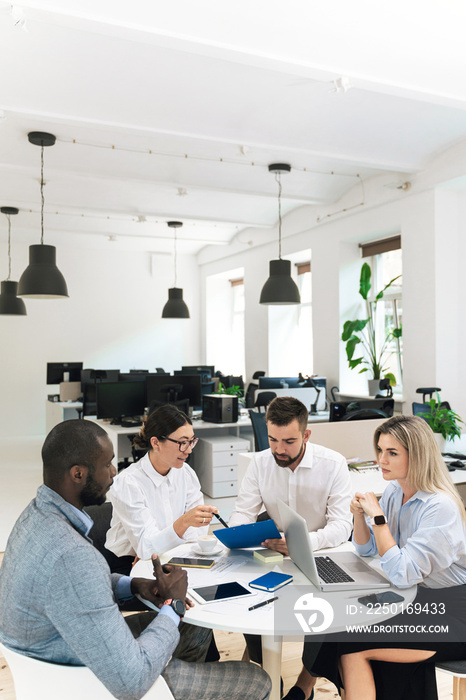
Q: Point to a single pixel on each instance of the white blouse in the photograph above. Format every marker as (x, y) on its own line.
(145, 506)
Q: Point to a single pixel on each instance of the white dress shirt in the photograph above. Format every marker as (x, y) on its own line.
(145, 506)
(319, 490)
(430, 538)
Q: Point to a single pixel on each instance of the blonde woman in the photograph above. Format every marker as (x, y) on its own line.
(419, 531)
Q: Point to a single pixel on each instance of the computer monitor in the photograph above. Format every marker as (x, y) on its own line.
(116, 400)
(198, 369)
(191, 388)
(56, 372)
(136, 376)
(361, 409)
(91, 376)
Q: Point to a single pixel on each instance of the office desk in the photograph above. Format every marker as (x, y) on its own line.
(262, 621)
(243, 428)
(372, 480)
(120, 437)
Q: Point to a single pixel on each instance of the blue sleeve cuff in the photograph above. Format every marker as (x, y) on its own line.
(167, 610)
(392, 553)
(123, 589)
(368, 549)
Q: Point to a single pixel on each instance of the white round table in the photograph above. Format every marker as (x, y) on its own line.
(268, 621)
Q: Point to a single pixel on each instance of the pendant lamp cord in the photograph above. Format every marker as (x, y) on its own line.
(175, 255)
(42, 194)
(9, 247)
(277, 178)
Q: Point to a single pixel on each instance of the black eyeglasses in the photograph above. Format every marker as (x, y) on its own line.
(182, 444)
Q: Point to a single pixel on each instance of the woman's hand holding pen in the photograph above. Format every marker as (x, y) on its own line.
(200, 516)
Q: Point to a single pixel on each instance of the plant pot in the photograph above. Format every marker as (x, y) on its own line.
(373, 386)
(441, 442)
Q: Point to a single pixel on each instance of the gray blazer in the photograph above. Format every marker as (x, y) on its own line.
(58, 602)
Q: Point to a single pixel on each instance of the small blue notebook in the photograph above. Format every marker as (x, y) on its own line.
(249, 535)
(271, 581)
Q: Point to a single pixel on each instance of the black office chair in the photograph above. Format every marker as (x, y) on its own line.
(171, 392)
(251, 390)
(365, 414)
(259, 427)
(428, 391)
(160, 370)
(263, 399)
(102, 515)
(420, 409)
(207, 387)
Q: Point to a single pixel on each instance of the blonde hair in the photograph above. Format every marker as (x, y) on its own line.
(426, 469)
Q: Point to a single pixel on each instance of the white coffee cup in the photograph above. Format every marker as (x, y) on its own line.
(207, 543)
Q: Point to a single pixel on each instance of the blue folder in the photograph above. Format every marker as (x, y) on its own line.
(249, 535)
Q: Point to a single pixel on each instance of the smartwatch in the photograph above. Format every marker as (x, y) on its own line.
(177, 605)
(379, 520)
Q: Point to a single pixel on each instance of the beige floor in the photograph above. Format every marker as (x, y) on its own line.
(231, 647)
(21, 473)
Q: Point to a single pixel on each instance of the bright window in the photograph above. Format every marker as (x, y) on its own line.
(225, 322)
(290, 327)
(386, 266)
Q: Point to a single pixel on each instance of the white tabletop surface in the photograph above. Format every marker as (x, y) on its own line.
(235, 616)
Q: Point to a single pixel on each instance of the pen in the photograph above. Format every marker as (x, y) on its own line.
(261, 605)
(221, 520)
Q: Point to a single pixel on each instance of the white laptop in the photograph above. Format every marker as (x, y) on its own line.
(343, 571)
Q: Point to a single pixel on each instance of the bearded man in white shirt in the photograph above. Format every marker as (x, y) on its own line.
(312, 480)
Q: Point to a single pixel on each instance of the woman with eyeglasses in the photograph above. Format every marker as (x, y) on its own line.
(157, 501)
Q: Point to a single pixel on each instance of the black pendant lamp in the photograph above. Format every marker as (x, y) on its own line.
(42, 279)
(280, 288)
(9, 302)
(175, 306)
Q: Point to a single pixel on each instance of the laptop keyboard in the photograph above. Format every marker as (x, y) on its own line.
(329, 572)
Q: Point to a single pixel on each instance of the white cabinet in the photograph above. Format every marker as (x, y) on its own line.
(215, 461)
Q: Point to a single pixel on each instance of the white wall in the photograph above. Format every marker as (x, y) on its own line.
(430, 223)
(111, 320)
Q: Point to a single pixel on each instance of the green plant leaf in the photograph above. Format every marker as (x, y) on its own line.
(355, 363)
(351, 327)
(351, 345)
(443, 420)
(397, 332)
(380, 294)
(365, 281)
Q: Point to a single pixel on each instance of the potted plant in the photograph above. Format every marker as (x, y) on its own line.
(444, 422)
(362, 332)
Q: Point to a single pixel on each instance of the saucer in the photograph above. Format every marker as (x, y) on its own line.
(213, 553)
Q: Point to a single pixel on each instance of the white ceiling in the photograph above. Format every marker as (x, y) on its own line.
(151, 99)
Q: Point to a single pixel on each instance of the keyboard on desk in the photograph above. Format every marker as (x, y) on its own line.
(329, 572)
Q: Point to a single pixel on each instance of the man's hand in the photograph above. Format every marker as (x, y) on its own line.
(147, 589)
(171, 581)
(277, 546)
